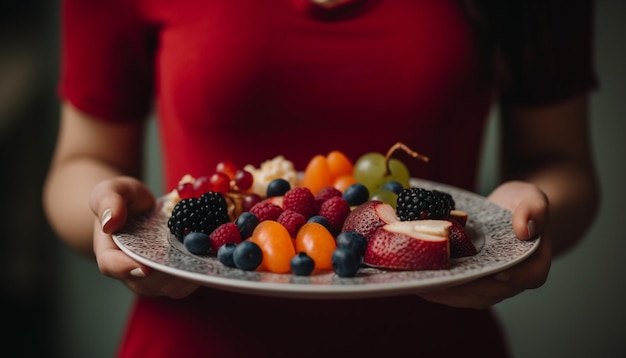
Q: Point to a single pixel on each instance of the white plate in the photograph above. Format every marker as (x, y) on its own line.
(146, 238)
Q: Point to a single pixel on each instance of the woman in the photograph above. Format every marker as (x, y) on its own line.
(249, 80)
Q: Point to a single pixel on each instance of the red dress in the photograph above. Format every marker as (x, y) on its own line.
(247, 80)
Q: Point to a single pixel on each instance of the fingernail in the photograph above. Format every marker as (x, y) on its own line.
(532, 228)
(137, 272)
(502, 276)
(106, 216)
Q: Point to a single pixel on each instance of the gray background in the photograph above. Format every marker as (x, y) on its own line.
(59, 305)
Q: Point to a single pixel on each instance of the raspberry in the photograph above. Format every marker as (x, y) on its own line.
(418, 204)
(327, 193)
(335, 210)
(266, 210)
(203, 214)
(225, 233)
(300, 200)
(292, 221)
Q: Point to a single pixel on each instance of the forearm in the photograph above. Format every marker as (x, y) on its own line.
(66, 199)
(550, 147)
(84, 156)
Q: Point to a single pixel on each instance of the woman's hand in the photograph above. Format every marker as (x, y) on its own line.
(113, 201)
(530, 221)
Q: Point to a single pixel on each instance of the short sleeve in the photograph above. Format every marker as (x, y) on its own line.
(106, 59)
(558, 62)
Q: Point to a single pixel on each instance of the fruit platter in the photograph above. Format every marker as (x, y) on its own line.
(338, 229)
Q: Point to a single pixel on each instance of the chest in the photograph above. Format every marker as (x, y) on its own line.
(268, 59)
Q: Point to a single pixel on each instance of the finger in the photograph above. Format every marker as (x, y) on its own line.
(113, 200)
(530, 216)
(532, 272)
(480, 294)
(112, 261)
(162, 284)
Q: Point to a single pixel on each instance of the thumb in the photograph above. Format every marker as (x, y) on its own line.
(114, 199)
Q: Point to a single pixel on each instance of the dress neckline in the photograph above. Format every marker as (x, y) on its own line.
(334, 10)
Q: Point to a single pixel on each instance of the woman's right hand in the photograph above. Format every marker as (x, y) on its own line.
(112, 201)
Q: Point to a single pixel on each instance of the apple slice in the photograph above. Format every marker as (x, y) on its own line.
(368, 216)
(410, 245)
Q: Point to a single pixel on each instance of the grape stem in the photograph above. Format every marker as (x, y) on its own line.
(408, 150)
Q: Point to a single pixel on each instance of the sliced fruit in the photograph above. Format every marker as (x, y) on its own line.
(459, 216)
(367, 217)
(410, 245)
(461, 244)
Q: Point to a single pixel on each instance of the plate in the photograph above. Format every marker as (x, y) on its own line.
(147, 239)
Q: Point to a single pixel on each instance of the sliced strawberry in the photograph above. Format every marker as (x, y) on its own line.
(461, 244)
(409, 245)
(368, 216)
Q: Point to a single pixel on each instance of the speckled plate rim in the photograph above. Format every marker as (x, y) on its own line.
(146, 239)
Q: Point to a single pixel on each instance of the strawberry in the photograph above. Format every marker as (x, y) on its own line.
(335, 210)
(367, 217)
(300, 200)
(459, 215)
(460, 243)
(223, 234)
(410, 245)
(292, 221)
(266, 210)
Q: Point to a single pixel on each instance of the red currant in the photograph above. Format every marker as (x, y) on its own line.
(202, 185)
(227, 167)
(243, 180)
(220, 182)
(185, 190)
(249, 200)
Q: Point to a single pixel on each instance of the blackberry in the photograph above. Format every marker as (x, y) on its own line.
(203, 214)
(419, 204)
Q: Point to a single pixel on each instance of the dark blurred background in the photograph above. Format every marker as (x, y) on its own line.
(28, 112)
(56, 304)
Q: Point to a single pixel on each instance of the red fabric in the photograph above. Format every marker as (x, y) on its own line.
(248, 80)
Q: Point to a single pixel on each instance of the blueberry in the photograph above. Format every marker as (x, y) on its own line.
(225, 254)
(345, 262)
(197, 243)
(393, 186)
(356, 194)
(277, 187)
(320, 220)
(302, 264)
(247, 256)
(352, 240)
(246, 223)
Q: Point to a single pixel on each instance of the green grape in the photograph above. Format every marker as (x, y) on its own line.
(399, 173)
(370, 169)
(385, 196)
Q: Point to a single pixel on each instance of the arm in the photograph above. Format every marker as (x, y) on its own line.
(92, 187)
(87, 151)
(550, 148)
(551, 188)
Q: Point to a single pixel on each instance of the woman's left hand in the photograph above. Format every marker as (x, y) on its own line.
(530, 221)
